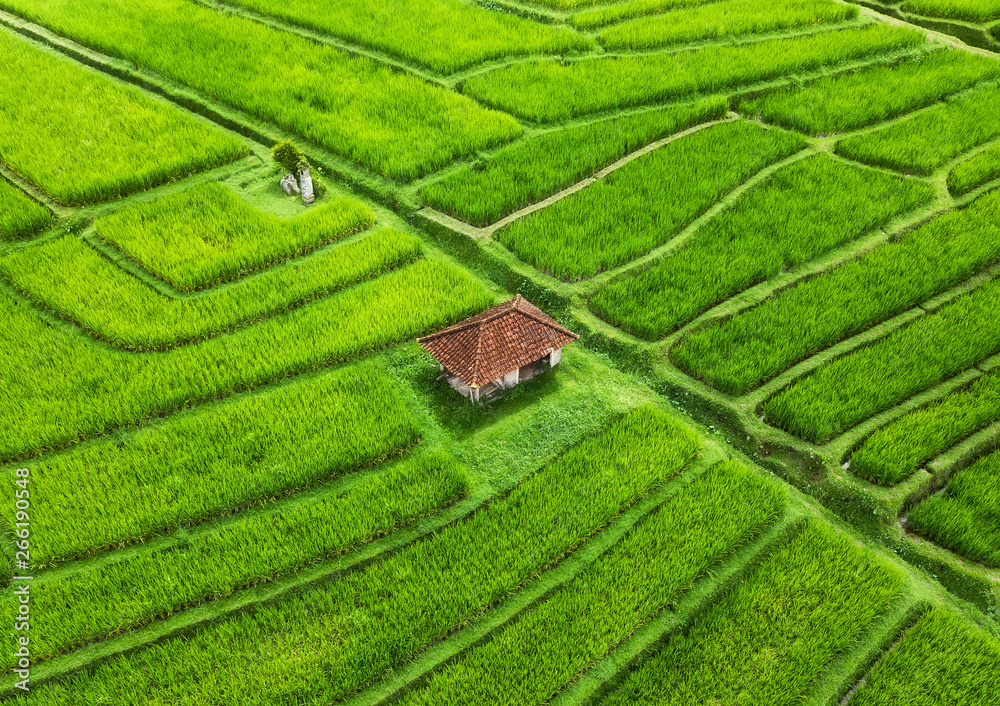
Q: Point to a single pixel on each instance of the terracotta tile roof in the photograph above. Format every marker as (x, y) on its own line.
(496, 342)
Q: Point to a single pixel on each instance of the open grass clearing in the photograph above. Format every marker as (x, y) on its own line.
(932, 138)
(531, 659)
(943, 659)
(188, 468)
(548, 91)
(75, 281)
(719, 20)
(95, 603)
(58, 387)
(869, 380)
(800, 212)
(330, 640)
(443, 35)
(744, 351)
(965, 516)
(81, 137)
(873, 94)
(896, 450)
(768, 639)
(20, 215)
(529, 170)
(206, 235)
(391, 122)
(646, 202)
(975, 172)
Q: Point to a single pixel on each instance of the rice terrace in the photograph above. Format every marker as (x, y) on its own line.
(500, 352)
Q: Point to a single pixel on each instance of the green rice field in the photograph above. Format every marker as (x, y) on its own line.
(763, 470)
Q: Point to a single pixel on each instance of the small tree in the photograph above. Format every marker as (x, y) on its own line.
(289, 157)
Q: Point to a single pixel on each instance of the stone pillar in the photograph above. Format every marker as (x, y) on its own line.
(306, 184)
(554, 357)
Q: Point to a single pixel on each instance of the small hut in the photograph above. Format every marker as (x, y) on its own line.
(497, 349)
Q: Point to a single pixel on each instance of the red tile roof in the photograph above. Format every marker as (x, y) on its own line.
(496, 342)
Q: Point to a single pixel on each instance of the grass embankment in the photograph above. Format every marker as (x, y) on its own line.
(532, 169)
(755, 345)
(75, 281)
(548, 91)
(386, 120)
(185, 469)
(768, 639)
(330, 640)
(530, 660)
(965, 517)
(719, 20)
(975, 172)
(20, 215)
(80, 137)
(943, 659)
(88, 605)
(802, 211)
(646, 202)
(870, 380)
(444, 35)
(895, 451)
(870, 95)
(207, 235)
(969, 10)
(57, 387)
(935, 136)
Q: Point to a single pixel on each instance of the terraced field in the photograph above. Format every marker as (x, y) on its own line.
(767, 473)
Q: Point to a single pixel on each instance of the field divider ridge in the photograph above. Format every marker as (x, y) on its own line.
(488, 231)
(286, 585)
(720, 578)
(33, 191)
(440, 653)
(203, 107)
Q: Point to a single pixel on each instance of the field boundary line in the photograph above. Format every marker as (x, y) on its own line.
(58, 210)
(508, 610)
(587, 288)
(287, 585)
(864, 9)
(602, 676)
(488, 231)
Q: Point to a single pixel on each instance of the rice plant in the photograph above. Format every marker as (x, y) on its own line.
(746, 350)
(188, 468)
(20, 215)
(330, 640)
(74, 280)
(206, 235)
(608, 13)
(896, 450)
(975, 172)
(528, 661)
(646, 202)
(547, 91)
(802, 211)
(942, 659)
(386, 120)
(530, 170)
(970, 10)
(872, 94)
(768, 639)
(56, 387)
(863, 383)
(965, 517)
(718, 20)
(444, 35)
(86, 605)
(931, 138)
(81, 137)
